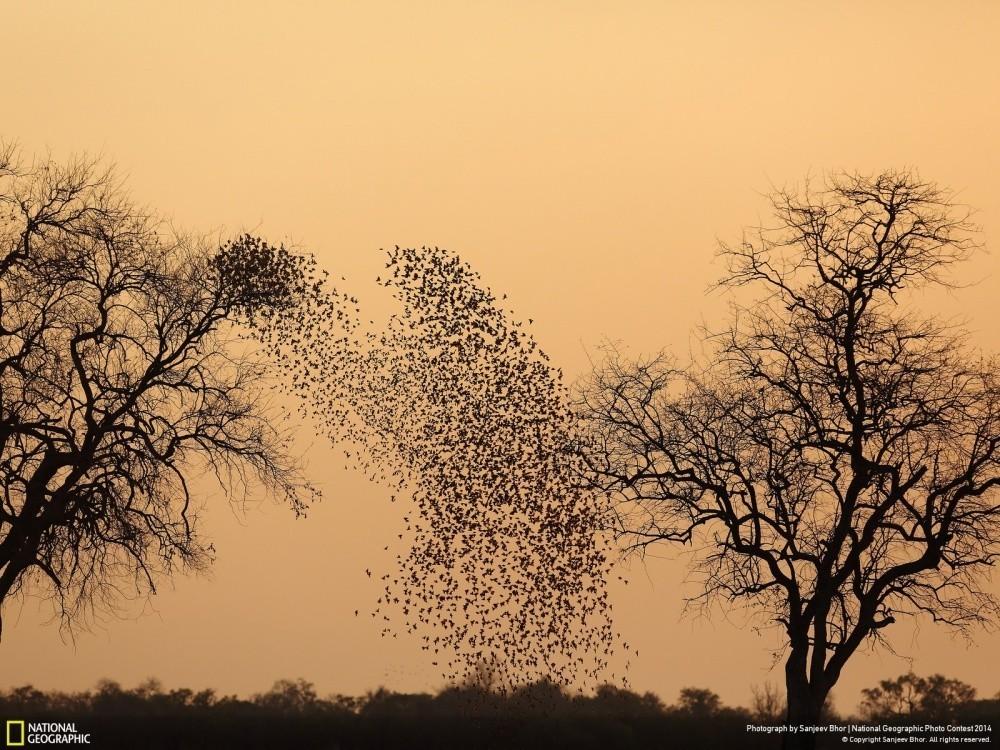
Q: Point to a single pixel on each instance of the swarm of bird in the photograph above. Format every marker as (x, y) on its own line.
(452, 404)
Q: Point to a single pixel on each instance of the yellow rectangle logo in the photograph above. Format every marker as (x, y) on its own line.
(19, 725)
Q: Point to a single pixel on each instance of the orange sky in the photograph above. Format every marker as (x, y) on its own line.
(584, 156)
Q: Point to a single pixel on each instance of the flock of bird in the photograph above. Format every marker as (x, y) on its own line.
(452, 404)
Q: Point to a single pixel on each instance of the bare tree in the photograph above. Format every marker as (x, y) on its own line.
(836, 461)
(766, 704)
(122, 378)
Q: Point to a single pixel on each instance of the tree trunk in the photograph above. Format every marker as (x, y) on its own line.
(805, 705)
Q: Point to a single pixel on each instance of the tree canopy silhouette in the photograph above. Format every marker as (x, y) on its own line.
(454, 404)
(836, 460)
(122, 378)
(292, 714)
(536, 715)
(936, 698)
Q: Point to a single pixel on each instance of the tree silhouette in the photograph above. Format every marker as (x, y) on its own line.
(290, 696)
(453, 404)
(836, 460)
(291, 714)
(122, 378)
(766, 705)
(539, 715)
(936, 698)
(699, 702)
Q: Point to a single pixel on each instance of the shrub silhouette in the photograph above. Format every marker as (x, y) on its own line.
(536, 715)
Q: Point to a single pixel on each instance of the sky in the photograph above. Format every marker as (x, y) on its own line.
(585, 157)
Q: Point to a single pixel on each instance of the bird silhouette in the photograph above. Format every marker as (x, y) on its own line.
(453, 405)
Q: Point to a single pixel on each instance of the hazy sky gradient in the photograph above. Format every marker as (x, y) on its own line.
(583, 156)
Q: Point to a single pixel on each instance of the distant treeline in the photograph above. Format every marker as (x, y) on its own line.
(539, 715)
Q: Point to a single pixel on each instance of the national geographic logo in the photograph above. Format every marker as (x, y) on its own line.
(15, 733)
(20, 733)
